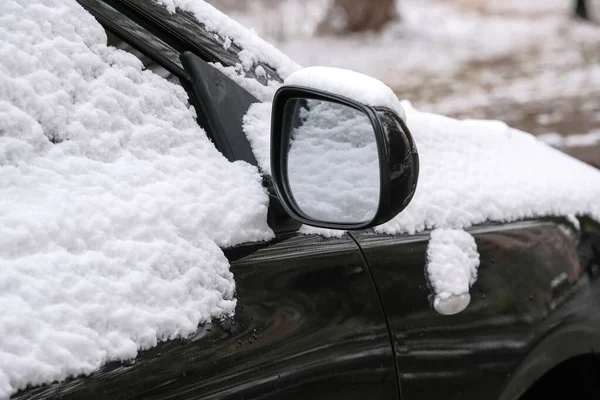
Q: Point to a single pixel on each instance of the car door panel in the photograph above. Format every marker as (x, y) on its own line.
(308, 325)
(527, 279)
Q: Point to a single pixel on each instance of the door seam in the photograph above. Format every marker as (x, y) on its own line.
(385, 316)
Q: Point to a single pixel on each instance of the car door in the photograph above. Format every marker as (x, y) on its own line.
(308, 325)
(530, 308)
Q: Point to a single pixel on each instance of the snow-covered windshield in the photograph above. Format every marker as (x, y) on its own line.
(113, 202)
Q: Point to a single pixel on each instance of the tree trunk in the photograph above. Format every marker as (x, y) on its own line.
(581, 10)
(358, 16)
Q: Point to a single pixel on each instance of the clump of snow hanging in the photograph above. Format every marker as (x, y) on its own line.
(257, 128)
(343, 82)
(113, 202)
(452, 261)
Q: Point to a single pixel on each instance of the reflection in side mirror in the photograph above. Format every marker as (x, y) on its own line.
(337, 163)
(332, 161)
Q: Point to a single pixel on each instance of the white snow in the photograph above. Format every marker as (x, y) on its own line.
(252, 86)
(278, 20)
(354, 85)
(254, 48)
(533, 7)
(577, 140)
(473, 171)
(109, 237)
(328, 233)
(430, 36)
(452, 261)
(257, 128)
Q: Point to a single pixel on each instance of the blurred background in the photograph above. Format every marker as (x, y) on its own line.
(534, 64)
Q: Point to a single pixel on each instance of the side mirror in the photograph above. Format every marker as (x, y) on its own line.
(337, 163)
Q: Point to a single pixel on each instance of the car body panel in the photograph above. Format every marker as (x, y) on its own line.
(531, 284)
(308, 325)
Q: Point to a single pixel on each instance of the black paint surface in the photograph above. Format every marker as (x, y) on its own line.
(531, 288)
(308, 325)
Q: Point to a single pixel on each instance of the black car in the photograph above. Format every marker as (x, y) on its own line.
(352, 317)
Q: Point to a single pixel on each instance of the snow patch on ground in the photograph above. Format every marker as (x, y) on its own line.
(533, 7)
(452, 262)
(577, 140)
(433, 36)
(113, 202)
(278, 20)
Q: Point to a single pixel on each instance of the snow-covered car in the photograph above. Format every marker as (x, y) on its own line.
(378, 252)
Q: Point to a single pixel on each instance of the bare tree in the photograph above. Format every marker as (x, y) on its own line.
(358, 16)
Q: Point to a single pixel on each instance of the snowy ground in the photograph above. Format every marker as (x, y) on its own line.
(527, 63)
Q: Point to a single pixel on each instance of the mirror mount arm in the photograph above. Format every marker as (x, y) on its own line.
(278, 219)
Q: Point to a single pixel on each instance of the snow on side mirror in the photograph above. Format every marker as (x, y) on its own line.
(337, 162)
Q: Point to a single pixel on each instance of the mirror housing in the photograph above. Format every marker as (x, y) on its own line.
(398, 159)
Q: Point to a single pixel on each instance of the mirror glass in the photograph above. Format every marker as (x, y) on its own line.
(332, 161)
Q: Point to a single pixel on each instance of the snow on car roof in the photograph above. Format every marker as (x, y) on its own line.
(113, 202)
